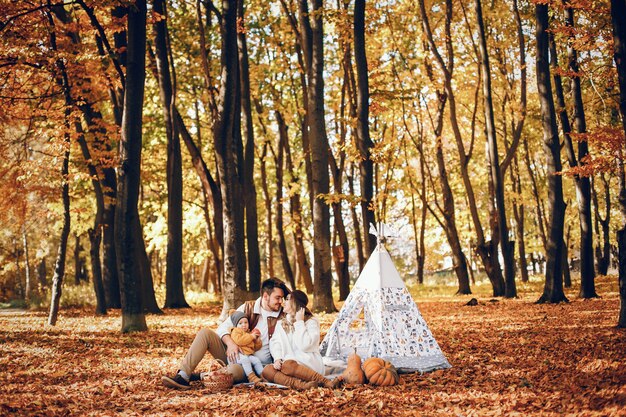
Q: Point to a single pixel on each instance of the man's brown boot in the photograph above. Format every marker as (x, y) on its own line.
(293, 368)
(272, 375)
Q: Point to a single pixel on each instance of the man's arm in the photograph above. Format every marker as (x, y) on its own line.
(223, 331)
(232, 350)
(226, 325)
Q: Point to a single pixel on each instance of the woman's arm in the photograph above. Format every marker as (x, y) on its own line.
(276, 347)
(307, 335)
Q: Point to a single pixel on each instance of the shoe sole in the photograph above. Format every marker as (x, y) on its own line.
(170, 383)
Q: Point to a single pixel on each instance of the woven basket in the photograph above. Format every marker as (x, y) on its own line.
(217, 378)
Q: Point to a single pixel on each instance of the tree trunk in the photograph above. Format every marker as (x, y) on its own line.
(109, 188)
(618, 19)
(449, 212)
(126, 214)
(603, 253)
(41, 274)
(583, 189)
(206, 275)
(495, 275)
(19, 290)
(510, 290)
(364, 142)
(226, 148)
(419, 235)
(210, 270)
(358, 110)
(108, 179)
(120, 42)
(95, 238)
(488, 253)
(318, 142)
(539, 219)
(424, 211)
(148, 297)
(418, 256)
(488, 250)
(269, 239)
(205, 56)
(28, 290)
(621, 243)
(295, 209)
(449, 223)
(341, 253)
(110, 277)
(95, 234)
(553, 289)
(214, 247)
(79, 266)
(304, 50)
(282, 245)
(249, 189)
(355, 224)
(518, 213)
(583, 184)
(533, 262)
(59, 266)
(210, 188)
(100, 170)
(174, 293)
(567, 276)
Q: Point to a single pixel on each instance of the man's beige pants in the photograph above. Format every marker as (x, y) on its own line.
(208, 341)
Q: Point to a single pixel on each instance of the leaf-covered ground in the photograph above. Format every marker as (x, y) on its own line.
(509, 357)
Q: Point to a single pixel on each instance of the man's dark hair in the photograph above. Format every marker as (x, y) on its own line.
(269, 284)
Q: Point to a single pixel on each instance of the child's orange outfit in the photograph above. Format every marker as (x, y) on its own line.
(246, 341)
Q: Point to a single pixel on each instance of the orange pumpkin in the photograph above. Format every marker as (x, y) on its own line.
(353, 373)
(380, 372)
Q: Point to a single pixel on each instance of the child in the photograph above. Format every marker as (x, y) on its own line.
(249, 342)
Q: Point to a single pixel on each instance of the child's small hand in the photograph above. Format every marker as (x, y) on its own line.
(278, 364)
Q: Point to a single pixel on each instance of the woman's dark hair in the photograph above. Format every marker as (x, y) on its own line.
(301, 300)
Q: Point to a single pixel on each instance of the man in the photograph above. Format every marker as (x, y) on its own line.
(262, 314)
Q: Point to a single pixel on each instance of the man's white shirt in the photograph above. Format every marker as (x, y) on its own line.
(264, 353)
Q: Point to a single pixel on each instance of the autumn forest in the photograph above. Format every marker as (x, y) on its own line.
(159, 155)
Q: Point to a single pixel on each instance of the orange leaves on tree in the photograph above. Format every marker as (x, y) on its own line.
(607, 146)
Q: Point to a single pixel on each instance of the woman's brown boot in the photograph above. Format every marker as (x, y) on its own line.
(272, 375)
(293, 368)
(252, 377)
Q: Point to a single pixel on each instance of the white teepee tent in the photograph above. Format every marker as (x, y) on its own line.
(379, 318)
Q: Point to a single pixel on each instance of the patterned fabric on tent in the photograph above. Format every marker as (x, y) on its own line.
(380, 319)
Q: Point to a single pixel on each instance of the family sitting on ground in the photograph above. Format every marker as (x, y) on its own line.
(263, 340)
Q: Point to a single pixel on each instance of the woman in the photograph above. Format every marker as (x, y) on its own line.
(295, 348)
